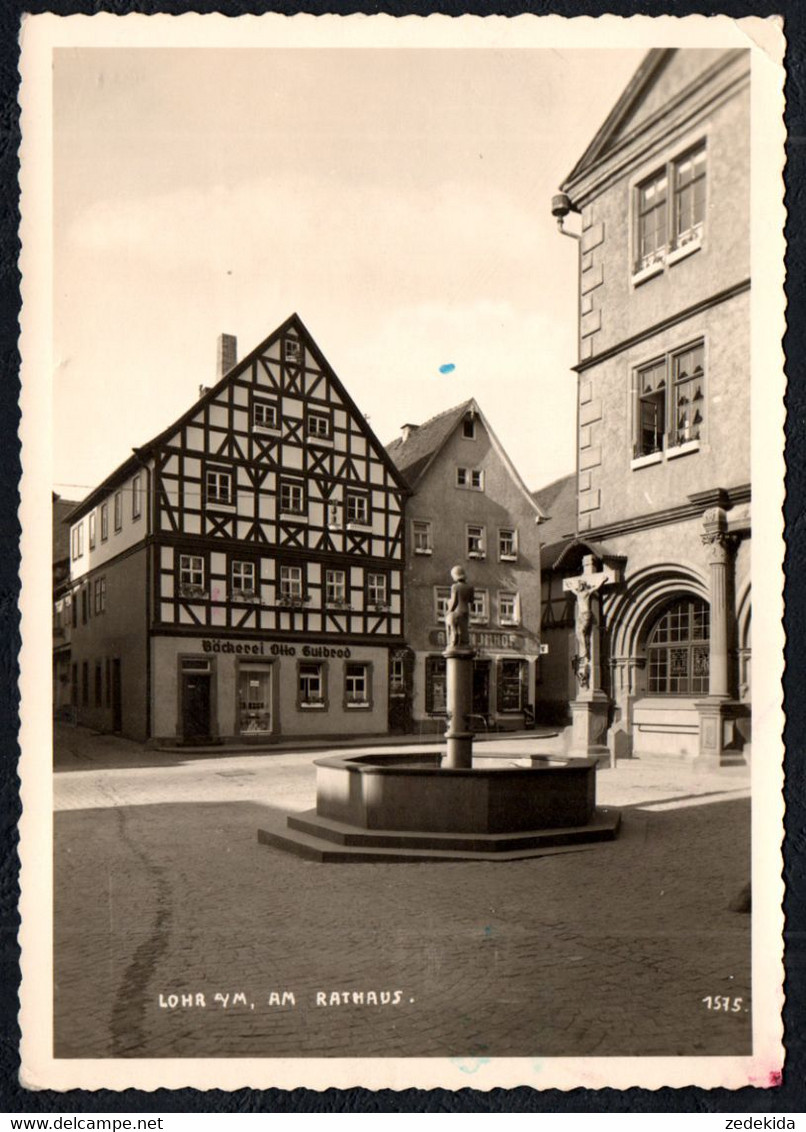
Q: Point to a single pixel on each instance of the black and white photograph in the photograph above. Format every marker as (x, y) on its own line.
(400, 399)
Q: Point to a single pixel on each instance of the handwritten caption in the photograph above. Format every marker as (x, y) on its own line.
(240, 1000)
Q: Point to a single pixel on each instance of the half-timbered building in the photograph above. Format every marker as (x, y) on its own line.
(240, 575)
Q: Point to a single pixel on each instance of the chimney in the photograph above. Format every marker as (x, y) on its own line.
(227, 354)
(407, 430)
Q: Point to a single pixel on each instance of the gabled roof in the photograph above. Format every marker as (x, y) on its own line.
(130, 466)
(558, 502)
(652, 63)
(415, 455)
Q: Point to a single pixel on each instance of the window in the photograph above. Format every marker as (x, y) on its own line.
(310, 685)
(377, 589)
(357, 508)
(442, 597)
(77, 540)
(74, 685)
(292, 497)
(108, 683)
(357, 686)
(507, 544)
(191, 575)
(469, 428)
(474, 541)
(100, 595)
(292, 350)
(85, 605)
(512, 685)
(98, 684)
(667, 229)
(470, 478)
(397, 676)
(318, 425)
(334, 516)
(335, 587)
(104, 522)
(73, 612)
(421, 536)
(137, 497)
(92, 530)
(508, 607)
(670, 402)
(291, 585)
(265, 415)
(118, 510)
(243, 581)
(677, 649)
(436, 685)
(85, 684)
(218, 487)
(479, 608)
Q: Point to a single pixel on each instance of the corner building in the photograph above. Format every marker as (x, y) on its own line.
(240, 575)
(664, 404)
(468, 507)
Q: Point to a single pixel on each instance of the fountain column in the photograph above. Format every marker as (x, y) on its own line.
(459, 663)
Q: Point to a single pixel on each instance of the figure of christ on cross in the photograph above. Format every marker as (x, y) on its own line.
(584, 587)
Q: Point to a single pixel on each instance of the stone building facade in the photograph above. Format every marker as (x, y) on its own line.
(663, 473)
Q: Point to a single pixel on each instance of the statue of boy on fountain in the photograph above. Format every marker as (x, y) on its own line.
(457, 617)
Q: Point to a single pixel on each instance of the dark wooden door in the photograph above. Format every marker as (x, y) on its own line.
(196, 705)
(481, 688)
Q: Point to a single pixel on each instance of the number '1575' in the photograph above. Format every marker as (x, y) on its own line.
(720, 1002)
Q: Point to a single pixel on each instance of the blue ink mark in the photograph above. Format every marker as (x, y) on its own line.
(488, 932)
(449, 367)
(470, 1064)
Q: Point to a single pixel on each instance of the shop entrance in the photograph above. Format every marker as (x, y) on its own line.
(254, 700)
(481, 688)
(195, 700)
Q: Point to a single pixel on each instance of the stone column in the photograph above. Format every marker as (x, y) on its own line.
(716, 711)
(459, 737)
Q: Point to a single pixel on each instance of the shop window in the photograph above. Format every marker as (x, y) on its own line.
(507, 544)
(475, 541)
(118, 504)
(678, 650)
(669, 213)
(670, 404)
(513, 676)
(358, 508)
(137, 497)
(191, 576)
(254, 699)
(243, 582)
(311, 685)
(292, 497)
(421, 536)
(377, 590)
(508, 607)
(436, 685)
(357, 686)
(472, 479)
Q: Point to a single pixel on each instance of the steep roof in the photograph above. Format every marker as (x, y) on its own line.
(558, 502)
(130, 465)
(415, 455)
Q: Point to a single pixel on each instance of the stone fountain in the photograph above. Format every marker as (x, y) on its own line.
(430, 806)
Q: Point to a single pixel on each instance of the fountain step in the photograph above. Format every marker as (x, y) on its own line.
(322, 839)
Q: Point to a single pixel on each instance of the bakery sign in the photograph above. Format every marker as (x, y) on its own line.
(481, 639)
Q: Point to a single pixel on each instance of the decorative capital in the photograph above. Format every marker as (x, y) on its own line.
(718, 544)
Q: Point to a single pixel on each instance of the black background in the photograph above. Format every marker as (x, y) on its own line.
(790, 1096)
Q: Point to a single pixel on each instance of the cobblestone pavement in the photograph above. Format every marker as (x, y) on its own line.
(162, 889)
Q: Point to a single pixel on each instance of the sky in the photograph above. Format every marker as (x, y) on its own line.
(397, 199)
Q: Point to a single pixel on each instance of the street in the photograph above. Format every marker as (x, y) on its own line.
(177, 935)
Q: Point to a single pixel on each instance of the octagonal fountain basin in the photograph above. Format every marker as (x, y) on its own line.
(409, 807)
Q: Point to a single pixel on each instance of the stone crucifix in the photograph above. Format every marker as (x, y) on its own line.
(585, 587)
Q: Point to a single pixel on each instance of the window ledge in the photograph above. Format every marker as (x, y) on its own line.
(355, 525)
(363, 705)
(423, 551)
(476, 554)
(293, 517)
(682, 449)
(321, 441)
(312, 707)
(509, 624)
(645, 461)
(267, 430)
(683, 250)
(639, 277)
(217, 505)
(509, 558)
